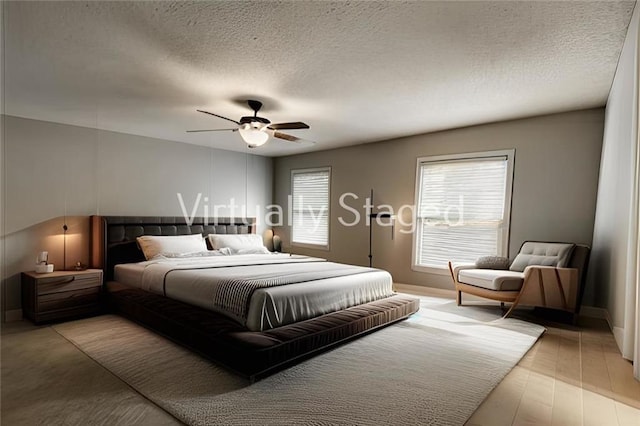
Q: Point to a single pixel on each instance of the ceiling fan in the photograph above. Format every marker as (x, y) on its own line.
(254, 130)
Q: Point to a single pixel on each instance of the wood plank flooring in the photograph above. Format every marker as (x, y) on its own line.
(571, 376)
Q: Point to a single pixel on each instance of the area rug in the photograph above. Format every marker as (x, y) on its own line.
(434, 368)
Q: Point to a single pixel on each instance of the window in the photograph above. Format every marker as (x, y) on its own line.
(462, 208)
(310, 207)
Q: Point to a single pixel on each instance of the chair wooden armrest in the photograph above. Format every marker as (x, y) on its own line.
(549, 287)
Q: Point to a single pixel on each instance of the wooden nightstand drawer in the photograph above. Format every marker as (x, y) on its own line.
(73, 282)
(61, 294)
(67, 299)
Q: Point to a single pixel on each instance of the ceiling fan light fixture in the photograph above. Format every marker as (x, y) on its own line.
(256, 131)
(253, 134)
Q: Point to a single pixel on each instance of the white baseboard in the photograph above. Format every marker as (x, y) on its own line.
(618, 334)
(13, 315)
(603, 313)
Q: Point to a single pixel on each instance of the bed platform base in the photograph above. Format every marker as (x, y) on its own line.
(252, 354)
(248, 353)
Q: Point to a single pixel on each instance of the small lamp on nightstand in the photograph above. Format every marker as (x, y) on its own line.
(272, 241)
(77, 266)
(277, 244)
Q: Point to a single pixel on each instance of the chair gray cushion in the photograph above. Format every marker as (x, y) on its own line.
(542, 254)
(492, 262)
(492, 279)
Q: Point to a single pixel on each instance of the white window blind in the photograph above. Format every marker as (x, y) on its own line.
(310, 191)
(462, 209)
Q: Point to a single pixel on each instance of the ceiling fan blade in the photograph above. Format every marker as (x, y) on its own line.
(211, 130)
(291, 138)
(219, 116)
(288, 126)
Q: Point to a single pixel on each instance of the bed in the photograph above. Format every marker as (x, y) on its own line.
(254, 313)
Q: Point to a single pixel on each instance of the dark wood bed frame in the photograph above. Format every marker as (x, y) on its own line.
(248, 353)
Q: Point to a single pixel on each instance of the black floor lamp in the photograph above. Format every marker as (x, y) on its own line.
(65, 228)
(375, 215)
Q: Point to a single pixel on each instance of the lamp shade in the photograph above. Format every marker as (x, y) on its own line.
(253, 134)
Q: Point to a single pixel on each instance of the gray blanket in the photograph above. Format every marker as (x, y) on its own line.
(233, 295)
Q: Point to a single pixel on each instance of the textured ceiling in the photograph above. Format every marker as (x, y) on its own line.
(354, 71)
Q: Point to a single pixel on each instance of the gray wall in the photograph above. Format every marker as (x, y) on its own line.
(554, 188)
(53, 170)
(615, 232)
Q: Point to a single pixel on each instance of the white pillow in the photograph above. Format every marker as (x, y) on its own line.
(235, 241)
(252, 250)
(153, 246)
(208, 253)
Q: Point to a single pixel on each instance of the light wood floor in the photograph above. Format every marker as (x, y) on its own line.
(571, 376)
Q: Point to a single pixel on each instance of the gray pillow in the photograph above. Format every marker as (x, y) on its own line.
(492, 262)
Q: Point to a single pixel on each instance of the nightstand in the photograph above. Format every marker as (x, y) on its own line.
(61, 294)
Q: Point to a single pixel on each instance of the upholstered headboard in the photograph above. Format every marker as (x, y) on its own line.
(113, 238)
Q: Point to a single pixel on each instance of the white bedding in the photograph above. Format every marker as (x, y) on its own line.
(195, 280)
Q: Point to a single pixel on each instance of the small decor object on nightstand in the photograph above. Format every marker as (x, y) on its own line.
(42, 263)
(79, 266)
